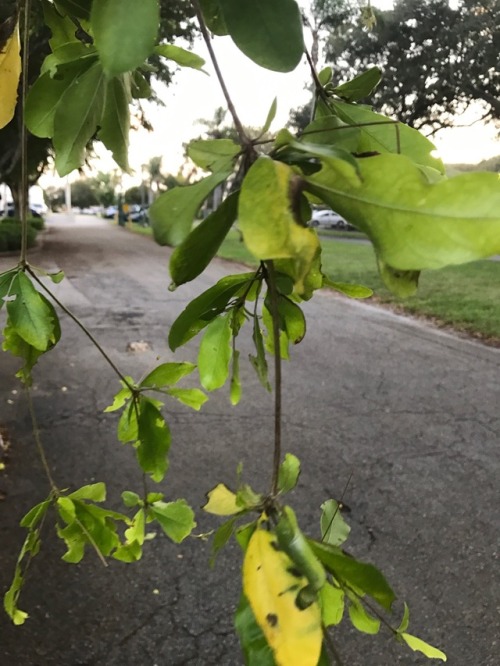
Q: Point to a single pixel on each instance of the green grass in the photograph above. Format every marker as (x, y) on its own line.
(465, 297)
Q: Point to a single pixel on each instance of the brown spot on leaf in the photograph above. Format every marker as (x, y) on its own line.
(272, 619)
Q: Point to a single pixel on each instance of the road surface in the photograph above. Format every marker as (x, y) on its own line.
(411, 412)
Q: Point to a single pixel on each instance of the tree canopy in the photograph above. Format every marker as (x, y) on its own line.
(435, 59)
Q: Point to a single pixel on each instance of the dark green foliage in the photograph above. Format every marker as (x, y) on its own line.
(10, 235)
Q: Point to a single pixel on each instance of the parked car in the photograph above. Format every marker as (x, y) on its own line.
(110, 212)
(327, 219)
(10, 211)
(139, 215)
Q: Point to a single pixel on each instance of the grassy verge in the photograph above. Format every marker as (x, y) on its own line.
(464, 297)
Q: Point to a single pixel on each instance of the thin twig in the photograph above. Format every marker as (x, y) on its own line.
(232, 110)
(339, 504)
(332, 648)
(24, 136)
(39, 445)
(273, 293)
(84, 329)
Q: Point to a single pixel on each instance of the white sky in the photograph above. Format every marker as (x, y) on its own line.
(195, 95)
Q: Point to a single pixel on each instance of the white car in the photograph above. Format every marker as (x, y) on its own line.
(327, 219)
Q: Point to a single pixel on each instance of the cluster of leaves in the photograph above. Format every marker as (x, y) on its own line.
(81, 523)
(295, 588)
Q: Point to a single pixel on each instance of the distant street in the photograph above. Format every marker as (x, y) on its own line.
(411, 412)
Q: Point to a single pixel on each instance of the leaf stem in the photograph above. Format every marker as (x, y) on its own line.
(84, 329)
(232, 110)
(39, 445)
(273, 293)
(24, 137)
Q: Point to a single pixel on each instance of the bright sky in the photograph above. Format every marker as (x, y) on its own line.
(195, 96)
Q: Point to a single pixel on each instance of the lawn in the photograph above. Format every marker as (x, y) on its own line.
(465, 297)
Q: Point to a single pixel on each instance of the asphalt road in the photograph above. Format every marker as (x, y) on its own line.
(411, 412)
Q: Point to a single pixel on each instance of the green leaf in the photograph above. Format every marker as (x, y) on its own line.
(415, 225)
(418, 645)
(215, 353)
(66, 509)
(331, 130)
(31, 547)
(332, 604)
(139, 86)
(212, 13)
(269, 324)
(74, 540)
(95, 492)
(14, 344)
(130, 499)
(62, 28)
(194, 398)
(208, 305)
(154, 441)
(235, 390)
(289, 473)
(334, 529)
(31, 317)
(68, 58)
(349, 571)
(44, 97)
(360, 618)
(221, 501)
(405, 621)
(196, 251)
(379, 133)
(360, 86)
(176, 518)
(253, 642)
(125, 32)
(350, 290)
(267, 221)
(292, 319)
(76, 118)
(35, 515)
(56, 278)
(259, 362)
(78, 8)
(119, 399)
(167, 374)
(213, 154)
(325, 76)
(271, 115)
(181, 56)
(270, 33)
(6, 280)
(127, 430)
(172, 214)
(131, 550)
(402, 283)
(285, 139)
(115, 121)
(221, 537)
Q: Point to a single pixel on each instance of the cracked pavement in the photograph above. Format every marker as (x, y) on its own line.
(410, 411)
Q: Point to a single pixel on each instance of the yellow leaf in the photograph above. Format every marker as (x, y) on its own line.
(271, 584)
(10, 71)
(222, 501)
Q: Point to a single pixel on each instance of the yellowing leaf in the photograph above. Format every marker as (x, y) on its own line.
(221, 501)
(271, 586)
(10, 71)
(268, 224)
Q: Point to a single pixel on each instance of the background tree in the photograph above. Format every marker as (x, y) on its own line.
(83, 194)
(104, 187)
(436, 60)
